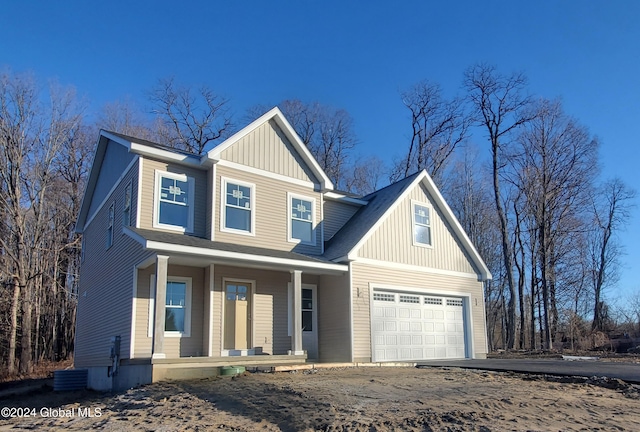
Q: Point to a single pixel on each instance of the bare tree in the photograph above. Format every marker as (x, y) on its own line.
(501, 108)
(123, 116)
(611, 210)
(365, 176)
(189, 119)
(438, 127)
(31, 136)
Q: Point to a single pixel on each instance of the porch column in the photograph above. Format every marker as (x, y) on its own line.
(162, 263)
(296, 310)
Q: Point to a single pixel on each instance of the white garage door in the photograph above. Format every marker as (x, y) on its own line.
(409, 326)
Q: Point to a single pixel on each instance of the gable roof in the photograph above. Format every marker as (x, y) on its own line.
(346, 242)
(276, 115)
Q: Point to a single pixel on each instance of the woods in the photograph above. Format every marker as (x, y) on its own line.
(545, 224)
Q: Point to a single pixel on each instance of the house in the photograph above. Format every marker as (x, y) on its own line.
(247, 255)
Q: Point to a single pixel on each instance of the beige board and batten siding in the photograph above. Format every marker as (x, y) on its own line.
(106, 280)
(149, 168)
(393, 240)
(271, 212)
(363, 275)
(267, 148)
(185, 346)
(334, 328)
(336, 214)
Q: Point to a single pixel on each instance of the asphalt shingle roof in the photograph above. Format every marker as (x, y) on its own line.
(364, 219)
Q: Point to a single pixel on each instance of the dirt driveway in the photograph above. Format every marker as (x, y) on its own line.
(354, 399)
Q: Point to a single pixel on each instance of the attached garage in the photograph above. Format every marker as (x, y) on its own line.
(416, 326)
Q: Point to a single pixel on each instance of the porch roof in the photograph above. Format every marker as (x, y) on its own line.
(230, 253)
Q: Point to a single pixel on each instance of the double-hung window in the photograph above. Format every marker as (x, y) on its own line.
(173, 206)
(301, 219)
(421, 215)
(237, 207)
(177, 318)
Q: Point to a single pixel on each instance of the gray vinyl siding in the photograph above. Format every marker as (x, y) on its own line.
(149, 167)
(186, 346)
(267, 148)
(336, 214)
(271, 212)
(393, 240)
(334, 328)
(106, 277)
(115, 161)
(363, 275)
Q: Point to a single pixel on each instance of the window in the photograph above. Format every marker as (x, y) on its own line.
(301, 219)
(421, 225)
(126, 212)
(110, 225)
(307, 310)
(177, 319)
(238, 207)
(173, 206)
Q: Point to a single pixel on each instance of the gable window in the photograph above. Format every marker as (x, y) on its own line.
(177, 319)
(126, 212)
(173, 206)
(110, 225)
(301, 219)
(238, 207)
(421, 224)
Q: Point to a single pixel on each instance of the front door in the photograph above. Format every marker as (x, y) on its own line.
(237, 316)
(310, 321)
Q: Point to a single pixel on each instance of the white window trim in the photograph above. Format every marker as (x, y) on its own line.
(223, 205)
(414, 203)
(126, 221)
(190, 201)
(290, 239)
(187, 312)
(111, 217)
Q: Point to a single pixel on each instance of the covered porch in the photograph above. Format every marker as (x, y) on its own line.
(201, 304)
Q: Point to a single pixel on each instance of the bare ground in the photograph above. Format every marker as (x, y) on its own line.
(354, 399)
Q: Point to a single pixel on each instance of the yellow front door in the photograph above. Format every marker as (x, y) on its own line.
(236, 316)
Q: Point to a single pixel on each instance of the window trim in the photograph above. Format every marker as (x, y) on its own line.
(111, 216)
(415, 203)
(187, 311)
(314, 236)
(126, 209)
(224, 181)
(159, 175)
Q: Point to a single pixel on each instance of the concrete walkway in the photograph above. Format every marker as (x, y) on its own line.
(629, 372)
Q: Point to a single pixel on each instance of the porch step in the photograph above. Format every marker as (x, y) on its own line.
(310, 366)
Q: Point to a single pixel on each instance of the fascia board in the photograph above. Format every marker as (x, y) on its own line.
(334, 196)
(213, 253)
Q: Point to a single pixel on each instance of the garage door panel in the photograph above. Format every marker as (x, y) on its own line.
(407, 326)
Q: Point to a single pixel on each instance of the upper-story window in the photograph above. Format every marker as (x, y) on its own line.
(421, 224)
(173, 206)
(126, 212)
(237, 207)
(110, 225)
(301, 219)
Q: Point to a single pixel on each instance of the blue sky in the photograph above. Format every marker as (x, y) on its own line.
(352, 55)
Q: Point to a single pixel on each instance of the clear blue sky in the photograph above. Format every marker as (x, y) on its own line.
(349, 54)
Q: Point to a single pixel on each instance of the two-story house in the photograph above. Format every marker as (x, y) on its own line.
(247, 255)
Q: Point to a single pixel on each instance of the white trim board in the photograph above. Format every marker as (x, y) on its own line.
(415, 268)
